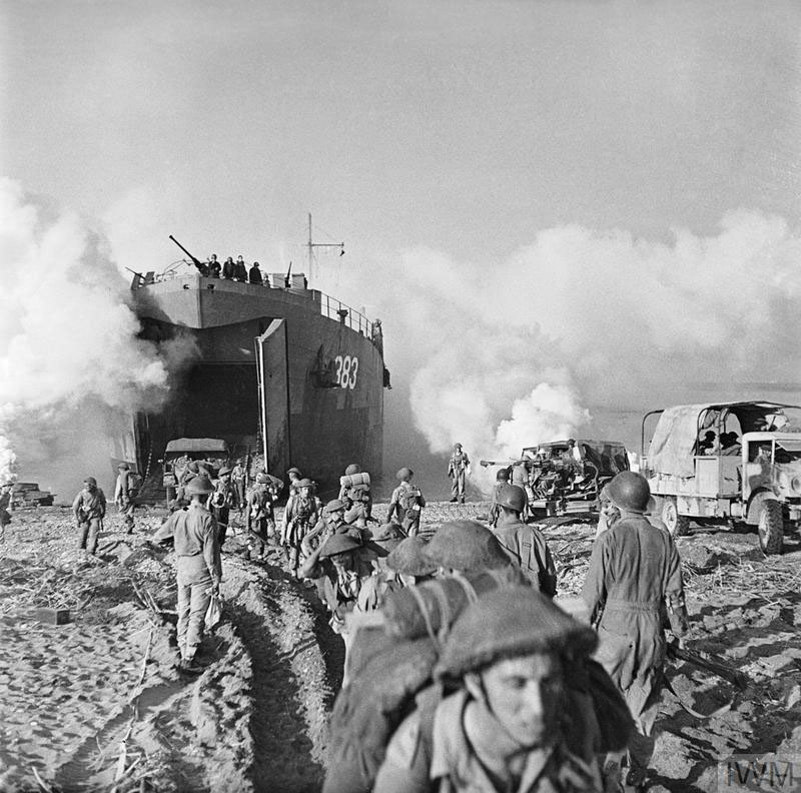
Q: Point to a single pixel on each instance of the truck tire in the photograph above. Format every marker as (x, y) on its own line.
(677, 525)
(771, 527)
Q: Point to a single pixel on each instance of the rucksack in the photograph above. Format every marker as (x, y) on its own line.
(408, 498)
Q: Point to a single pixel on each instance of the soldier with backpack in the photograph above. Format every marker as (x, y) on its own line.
(525, 544)
(407, 501)
(517, 706)
(260, 518)
(300, 517)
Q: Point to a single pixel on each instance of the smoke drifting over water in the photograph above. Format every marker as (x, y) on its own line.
(71, 366)
(581, 324)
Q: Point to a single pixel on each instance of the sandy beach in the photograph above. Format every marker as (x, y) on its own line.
(97, 704)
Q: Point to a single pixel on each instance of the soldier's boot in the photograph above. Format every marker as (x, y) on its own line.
(636, 780)
(612, 777)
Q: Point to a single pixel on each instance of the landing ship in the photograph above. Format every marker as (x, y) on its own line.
(276, 369)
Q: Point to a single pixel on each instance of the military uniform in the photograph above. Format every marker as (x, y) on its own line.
(260, 519)
(528, 550)
(89, 508)
(457, 471)
(222, 499)
(407, 501)
(124, 492)
(199, 568)
(634, 569)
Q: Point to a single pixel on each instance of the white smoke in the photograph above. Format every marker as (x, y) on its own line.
(509, 354)
(70, 362)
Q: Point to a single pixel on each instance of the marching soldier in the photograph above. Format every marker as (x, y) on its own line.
(300, 517)
(222, 499)
(89, 508)
(260, 520)
(199, 568)
(525, 544)
(407, 502)
(238, 477)
(511, 656)
(458, 467)
(634, 574)
(501, 481)
(124, 492)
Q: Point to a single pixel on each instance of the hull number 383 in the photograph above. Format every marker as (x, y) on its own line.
(347, 370)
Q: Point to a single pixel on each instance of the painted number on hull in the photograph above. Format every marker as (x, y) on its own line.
(347, 369)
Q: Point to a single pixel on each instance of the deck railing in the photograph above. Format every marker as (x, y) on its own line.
(329, 306)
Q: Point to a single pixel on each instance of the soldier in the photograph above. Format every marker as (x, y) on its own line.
(634, 573)
(339, 568)
(404, 565)
(525, 544)
(222, 500)
(124, 492)
(294, 475)
(240, 270)
(358, 512)
(213, 267)
(512, 655)
(332, 521)
(407, 501)
(5, 504)
(238, 477)
(198, 566)
(260, 519)
(501, 481)
(465, 546)
(254, 276)
(300, 517)
(458, 467)
(229, 269)
(89, 508)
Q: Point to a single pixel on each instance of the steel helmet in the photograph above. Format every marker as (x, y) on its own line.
(199, 486)
(507, 623)
(335, 506)
(405, 474)
(408, 558)
(353, 468)
(465, 545)
(124, 467)
(512, 497)
(90, 480)
(261, 478)
(337, 544)
(294, 471)
(304, 483)
(629, 491)
(226, 470)
(502, 475)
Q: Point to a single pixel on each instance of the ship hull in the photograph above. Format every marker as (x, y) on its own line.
(287, 373)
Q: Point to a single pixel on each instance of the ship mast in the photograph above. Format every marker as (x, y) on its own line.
(311, 245)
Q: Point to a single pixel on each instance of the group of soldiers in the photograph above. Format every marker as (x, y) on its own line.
(509, 692)
(519, 695)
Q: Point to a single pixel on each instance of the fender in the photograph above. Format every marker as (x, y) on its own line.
(755, 505)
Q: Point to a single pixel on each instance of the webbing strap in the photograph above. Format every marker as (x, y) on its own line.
(469, 589)
(445, 611)
(423, 606)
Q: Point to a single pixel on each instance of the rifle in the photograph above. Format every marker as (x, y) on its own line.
(710, 663)
(200, 266)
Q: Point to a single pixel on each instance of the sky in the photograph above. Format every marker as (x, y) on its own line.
(482, 161)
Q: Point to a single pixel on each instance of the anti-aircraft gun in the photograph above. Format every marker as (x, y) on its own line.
(566, 477)
(200, 266)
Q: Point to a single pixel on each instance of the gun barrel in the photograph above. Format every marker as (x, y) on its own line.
(194, 259)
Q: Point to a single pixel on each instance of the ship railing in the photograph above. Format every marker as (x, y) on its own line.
(332, 308)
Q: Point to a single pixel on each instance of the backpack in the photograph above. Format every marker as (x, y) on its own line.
(408, 498)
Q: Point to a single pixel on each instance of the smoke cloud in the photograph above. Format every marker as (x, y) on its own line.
(71, 367)
(581, 324)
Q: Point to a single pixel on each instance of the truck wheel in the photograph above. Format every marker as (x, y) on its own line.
(677, 525)
(771, 527)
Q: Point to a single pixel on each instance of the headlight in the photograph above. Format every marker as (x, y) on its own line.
(796, 484)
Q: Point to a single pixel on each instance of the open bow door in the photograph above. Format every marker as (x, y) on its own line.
(273, 371)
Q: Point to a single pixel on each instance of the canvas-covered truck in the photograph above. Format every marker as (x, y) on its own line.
(729, 463)
(181, 451)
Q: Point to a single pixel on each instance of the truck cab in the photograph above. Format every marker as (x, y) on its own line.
(213, 452)
(730, 462)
